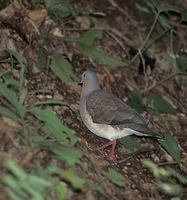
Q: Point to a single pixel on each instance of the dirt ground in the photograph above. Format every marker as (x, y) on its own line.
(124, 30)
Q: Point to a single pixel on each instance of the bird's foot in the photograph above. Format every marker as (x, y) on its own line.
(111, 157)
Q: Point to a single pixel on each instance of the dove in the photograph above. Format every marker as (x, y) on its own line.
(107, 116)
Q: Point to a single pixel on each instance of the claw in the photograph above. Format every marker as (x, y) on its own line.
(112, 155)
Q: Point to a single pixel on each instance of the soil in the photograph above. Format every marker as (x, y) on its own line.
(125, 29)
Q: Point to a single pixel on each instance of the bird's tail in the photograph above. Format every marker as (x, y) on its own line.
(144, 131)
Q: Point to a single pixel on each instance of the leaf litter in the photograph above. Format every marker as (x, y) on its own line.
(34, 33)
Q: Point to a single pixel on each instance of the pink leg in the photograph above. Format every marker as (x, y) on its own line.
(112, 154)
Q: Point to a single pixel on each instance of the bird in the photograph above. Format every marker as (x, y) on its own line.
(107, 116)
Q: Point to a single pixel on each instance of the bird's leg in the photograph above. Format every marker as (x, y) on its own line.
(112, 155)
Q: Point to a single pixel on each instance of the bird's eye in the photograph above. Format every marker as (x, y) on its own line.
(84, 75)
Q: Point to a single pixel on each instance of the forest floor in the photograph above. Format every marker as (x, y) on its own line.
(40, 35)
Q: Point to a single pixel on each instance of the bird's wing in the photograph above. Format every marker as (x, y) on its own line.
(105, 108)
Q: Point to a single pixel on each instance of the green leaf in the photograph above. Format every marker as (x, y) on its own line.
(156, 104)
(158, 10)
(15, 169)
(72, 178)
(9, 81)
(171, 146)
(135, 101)
(170, 59)
(97, 188)
(99, 56)
(130, 143)
(19, 57)
(85, 45)
(60, 190)
(115, 177)
(12, 99)
(175, 9)
(63, 69)
(177, 175)
(23, 95)
(71, 156)
(89, 37)
(53, 125)
(170, 188)
(159, 172)
(10, 114)
(61, 8)
(22, 185)
(48, 116)
(181, 63)
(176, 61)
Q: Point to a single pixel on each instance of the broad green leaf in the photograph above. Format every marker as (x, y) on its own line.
(99, 55)
(60, 190)
(170, 59)
(177, 175)
(15, 169)
(23, 184)
(13, 195)
(130, 143)
(42, 60)
(115, 177)
(10, 114)
(158, 172)
(182, 63)
(176, 61)
(70, 155)
(9, 81)
(72, 178)
(53, 125)
(156, 104)
(142, 7)
(23, 95)
(63, 69)
(89, 37)
(166, 173)
(171, 146)
(135, 101)
(97, 188)
(58, 135)
(61, 8)
(170, 188)
(19, 57)
(157, 10)
(48, 116)
(12, 99)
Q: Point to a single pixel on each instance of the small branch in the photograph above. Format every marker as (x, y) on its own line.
(114, 4)
(146, 39)
(117, 40)
(136, 153)
(162, 81)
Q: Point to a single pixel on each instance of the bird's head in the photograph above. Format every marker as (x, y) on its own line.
(89, 81)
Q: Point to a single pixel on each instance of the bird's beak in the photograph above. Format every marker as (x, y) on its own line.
(80, 83)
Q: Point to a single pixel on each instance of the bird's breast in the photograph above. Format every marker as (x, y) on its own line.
(102, 130)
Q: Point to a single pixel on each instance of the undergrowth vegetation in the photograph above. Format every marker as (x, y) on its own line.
(42, 131)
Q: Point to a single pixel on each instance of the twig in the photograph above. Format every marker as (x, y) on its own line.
(136, 153)
(117, 40)
(146, 39)
(144, 67)
(162, 81)
(167, 163)
(113, 3)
